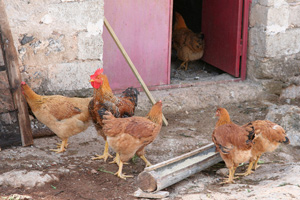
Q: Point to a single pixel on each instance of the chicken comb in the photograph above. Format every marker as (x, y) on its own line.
(23, 83)
(98, 71)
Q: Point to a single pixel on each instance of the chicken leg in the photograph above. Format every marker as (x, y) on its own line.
(148, 164)
(117, 160)
(119, 172)
(248, 171)
(64, 144)
(184, 65)
(230, 177)
(105, 154)
(256, 161)
(252, 164)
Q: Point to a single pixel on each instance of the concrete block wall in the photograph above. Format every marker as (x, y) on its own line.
(274, 45)
(59, 42)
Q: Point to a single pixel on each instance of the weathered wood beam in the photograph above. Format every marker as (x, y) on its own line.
(131, 65)
(14, 76)
(164, 174)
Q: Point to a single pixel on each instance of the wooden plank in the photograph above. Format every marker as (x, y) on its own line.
(162, 175)
(14, 76)
(131, 65)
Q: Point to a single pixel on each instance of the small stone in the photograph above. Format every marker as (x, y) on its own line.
(154, 195)
(71, 166)
(26, 39)
(223, 172)
(192, 129)
(93, 171)
(196, 78)
(47, 19)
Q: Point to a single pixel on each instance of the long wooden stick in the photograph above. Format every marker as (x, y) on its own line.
(131, 65)
(12, 64)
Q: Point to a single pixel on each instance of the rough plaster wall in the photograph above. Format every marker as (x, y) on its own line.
(59, 42)
(274, 44)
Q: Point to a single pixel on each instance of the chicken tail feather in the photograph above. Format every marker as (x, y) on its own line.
(251, 132)
(286, 141)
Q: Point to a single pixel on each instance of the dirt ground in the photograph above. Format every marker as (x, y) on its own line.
(82, 178)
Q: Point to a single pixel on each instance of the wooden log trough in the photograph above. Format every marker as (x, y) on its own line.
(164, 174)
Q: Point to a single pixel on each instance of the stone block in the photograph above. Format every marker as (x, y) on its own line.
(278, 19)
(288, 117)
(4, 84)
(294, 18)
(280, 69)
(272, 86)
(257, 41)
(6, 101)
(258, 15)
(291, 92)
(71, 76)
(283, 44)
(90, 46)
(75, 15)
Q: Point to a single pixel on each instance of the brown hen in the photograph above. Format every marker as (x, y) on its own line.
(65, 116)
(234, 143)
(129, 136)
(189, 45)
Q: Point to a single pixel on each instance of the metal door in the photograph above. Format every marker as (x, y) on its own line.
(143, 28)
(224, 24)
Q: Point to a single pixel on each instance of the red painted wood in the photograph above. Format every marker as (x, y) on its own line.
(245, 38)
(143, 28)
(222, 26)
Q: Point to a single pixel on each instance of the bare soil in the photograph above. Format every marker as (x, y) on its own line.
(83, 178)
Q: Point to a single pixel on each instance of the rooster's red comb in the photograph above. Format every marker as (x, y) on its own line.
(23, 83)
(98, 71)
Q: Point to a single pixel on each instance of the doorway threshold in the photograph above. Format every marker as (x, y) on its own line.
(222, 79)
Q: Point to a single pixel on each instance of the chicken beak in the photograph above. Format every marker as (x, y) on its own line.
(92, 80)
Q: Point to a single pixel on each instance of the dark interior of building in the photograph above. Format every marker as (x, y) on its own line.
(191, 11)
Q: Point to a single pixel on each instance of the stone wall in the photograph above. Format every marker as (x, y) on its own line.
(274, 45)
(59, 42)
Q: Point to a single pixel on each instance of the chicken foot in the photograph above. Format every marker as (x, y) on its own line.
(252, 165)
(255, 164)
(64, 144)
(117, 160)
(231, 176)
(248, 171)
(105, 154)
(59, 145)
(119, 172)
(148, 164)
(184, 65)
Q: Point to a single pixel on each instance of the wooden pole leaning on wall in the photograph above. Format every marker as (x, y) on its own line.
(169, 172)
(14, 76)
(131, 65)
